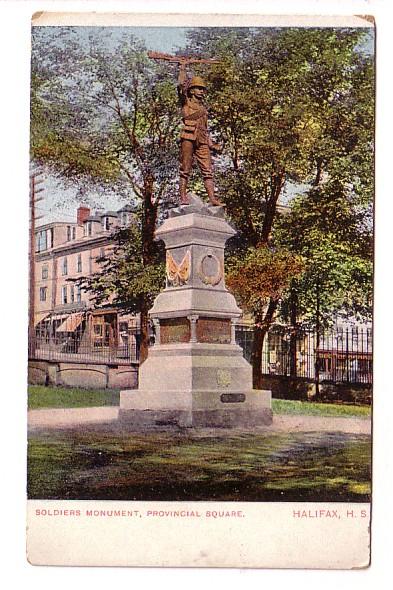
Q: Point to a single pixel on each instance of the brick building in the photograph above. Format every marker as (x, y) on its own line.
(64, 317)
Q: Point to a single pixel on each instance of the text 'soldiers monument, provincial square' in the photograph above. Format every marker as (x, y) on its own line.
(195, 374)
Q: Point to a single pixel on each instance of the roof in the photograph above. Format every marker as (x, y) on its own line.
(129, 208)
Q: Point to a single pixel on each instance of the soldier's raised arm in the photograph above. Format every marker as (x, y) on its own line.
(182, 82)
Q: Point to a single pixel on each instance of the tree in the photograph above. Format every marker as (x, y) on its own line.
(111, 122)
(291, 106)
(259, 280)
(124, 280)
(334, 237)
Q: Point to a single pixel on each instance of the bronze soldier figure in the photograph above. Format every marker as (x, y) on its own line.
(194, 137)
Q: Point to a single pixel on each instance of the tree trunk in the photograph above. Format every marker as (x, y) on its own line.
(144, 341)
(261, 327)
(149, 220)
(263, 323)
(293, 335)
(271, 208)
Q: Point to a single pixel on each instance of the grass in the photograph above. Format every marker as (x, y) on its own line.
(110, 464)
(291, 407)
(40, 396)
(59, 397)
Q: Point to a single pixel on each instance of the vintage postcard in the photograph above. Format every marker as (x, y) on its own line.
(201, 290)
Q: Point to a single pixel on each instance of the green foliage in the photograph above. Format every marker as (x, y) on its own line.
(289, 105)
(332, 232)
(110, 117)
(124, 279)
(261, 274)
(296, 106)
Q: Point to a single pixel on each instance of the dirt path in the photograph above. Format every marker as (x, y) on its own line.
(74, 417)
(283, 423)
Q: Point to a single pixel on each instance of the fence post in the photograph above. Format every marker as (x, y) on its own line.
(317, 393)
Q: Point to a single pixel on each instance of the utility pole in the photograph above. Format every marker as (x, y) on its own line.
(35, 180)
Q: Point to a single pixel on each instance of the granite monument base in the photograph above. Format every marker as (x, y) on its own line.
(195, 374)
(195, 385)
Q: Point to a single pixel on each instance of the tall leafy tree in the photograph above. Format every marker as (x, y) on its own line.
(111, 123)
(292, 106)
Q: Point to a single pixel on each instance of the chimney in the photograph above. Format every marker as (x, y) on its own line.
(82, 213)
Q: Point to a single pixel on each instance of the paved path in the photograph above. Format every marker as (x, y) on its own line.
(71, 417)
(74, 417)
(283, 423)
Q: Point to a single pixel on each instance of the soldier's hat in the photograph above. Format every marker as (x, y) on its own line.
(197, 81)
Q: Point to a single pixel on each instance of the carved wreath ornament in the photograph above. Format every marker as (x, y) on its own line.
(178, 274)
(210, 279)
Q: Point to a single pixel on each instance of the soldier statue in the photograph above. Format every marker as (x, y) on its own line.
(194, 137)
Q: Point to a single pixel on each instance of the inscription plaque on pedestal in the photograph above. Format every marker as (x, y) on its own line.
(213, 330)
(232, 398)
(175, 330)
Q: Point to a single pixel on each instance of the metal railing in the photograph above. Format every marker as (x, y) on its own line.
(337, 355)
(71, 348)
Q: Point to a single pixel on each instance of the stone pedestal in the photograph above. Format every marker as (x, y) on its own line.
(195, 374)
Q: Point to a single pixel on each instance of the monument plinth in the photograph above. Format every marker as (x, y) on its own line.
(195, 374)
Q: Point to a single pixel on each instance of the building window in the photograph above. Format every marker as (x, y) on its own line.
(74, 233)
(64, 294)
(72, 294)
(79, 263)
(43, 293)
(65, 266)
(68, 233)
(125, 218)
(78, 294)
(88, 228)
(41, 241)
(50, 237)
(44, 273)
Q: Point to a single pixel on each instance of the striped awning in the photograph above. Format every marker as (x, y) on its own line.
(71, 323)
(58, 316)
(46, 318)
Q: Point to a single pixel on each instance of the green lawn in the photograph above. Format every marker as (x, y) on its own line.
(100, 463)
(61, 397)
(281, 406)
(40, 396)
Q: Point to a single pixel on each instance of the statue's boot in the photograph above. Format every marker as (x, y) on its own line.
(209, 185)
(183, 192)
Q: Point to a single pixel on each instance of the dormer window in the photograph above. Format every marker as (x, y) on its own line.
(88, 228)
(106, 223)
(125, 218)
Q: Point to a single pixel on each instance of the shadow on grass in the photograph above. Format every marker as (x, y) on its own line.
(115, 465)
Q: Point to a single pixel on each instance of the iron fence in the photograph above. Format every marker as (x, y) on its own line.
(81, 347)
(337, 355)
